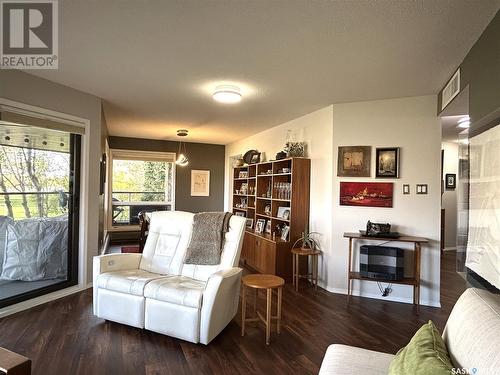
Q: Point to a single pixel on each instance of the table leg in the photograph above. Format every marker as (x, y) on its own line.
(293, 269)
(349, 269)
(297, 272)
(280, 295)
(243, 310)
(315, 270)
(268, 315)
(256, 294)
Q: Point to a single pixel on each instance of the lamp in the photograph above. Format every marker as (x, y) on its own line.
(227, 94)
(182, 159)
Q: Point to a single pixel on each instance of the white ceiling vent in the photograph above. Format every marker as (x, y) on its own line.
(451, 89)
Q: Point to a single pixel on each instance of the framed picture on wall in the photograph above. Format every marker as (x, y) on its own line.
(354, 161)
(387, 162)
(451, 181)
(200, 183)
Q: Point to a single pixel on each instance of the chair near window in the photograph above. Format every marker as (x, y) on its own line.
(144, 223)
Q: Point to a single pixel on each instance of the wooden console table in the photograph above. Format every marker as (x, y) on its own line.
(414, 281)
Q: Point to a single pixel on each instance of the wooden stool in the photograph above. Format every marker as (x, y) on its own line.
(268, 282)
(311, 276)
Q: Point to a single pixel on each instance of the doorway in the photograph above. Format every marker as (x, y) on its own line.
(39, 207)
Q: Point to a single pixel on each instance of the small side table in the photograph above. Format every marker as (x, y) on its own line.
(260, 281)
(311, 276)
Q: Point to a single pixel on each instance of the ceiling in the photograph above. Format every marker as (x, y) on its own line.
(155, 63)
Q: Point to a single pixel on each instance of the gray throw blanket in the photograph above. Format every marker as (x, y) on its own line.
(207, 240)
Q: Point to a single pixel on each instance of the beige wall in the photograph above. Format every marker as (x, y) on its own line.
(409, 123)
(25, 88)
(449, 198)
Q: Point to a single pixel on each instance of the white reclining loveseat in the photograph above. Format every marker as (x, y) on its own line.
(155, 290)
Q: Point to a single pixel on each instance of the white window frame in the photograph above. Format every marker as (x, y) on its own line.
(121, 154)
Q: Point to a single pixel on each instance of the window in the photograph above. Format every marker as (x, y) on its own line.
(140, 182)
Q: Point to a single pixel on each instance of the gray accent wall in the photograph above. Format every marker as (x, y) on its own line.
(201, 156)
(480, 70)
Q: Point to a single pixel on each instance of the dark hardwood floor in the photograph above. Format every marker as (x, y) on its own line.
(63, 337)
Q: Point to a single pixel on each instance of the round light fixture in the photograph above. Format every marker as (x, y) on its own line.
(464, 123)
(227, 94)
(182, 159)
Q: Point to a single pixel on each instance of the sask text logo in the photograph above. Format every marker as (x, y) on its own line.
(29, 37)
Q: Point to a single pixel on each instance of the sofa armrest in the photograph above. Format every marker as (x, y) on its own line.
(220, 302)
(112, 262)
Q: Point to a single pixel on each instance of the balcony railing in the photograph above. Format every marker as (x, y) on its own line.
(22, 205)
(128, 204)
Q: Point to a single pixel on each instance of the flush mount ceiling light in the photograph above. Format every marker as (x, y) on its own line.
(464, 122)
(227, 94)
(182, 159)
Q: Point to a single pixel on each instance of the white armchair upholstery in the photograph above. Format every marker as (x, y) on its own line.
(157, 291)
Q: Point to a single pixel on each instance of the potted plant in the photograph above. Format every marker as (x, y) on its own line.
(307, 241)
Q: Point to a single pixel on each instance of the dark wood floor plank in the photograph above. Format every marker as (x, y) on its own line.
(63, 337)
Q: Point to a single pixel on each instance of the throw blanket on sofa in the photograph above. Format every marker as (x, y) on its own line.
(207, 240)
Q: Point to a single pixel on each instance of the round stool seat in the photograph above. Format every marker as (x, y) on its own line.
(260, 281)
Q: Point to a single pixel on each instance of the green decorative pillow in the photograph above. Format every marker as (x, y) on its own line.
(425, 354)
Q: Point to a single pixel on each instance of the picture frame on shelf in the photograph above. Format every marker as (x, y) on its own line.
(260, 225)
(240, 213)
(450, 181)
(354, 161)
(387, 162)
(249, 223)
(243, 174)
(284, 233)
(268, 227)
(267, 210)
(283, 213)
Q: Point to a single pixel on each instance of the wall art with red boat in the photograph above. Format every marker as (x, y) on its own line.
(366, 194)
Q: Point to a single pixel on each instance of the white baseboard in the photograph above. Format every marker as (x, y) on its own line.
(355, 292)
(12, 309)
(450, 248)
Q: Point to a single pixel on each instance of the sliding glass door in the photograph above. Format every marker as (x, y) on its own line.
(39, 199)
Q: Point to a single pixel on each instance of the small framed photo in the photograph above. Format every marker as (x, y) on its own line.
(249, 223)
(239, 213)
(268, 227)
(200, 183)
(406, 189)
(283, 213)
(260, 225)
(255, 159)
(387, 162)
(284, 233)
(451, 181)
(243, 174)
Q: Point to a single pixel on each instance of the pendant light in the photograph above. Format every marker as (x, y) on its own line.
(182, 159)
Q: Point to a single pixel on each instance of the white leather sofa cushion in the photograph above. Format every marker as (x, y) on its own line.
(168, 239)
(180, 290)
(349, 360)
(126, 281)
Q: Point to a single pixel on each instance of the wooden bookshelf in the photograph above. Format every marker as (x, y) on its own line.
(263, 191)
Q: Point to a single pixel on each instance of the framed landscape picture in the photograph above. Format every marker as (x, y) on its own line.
(354, 161)
(387, 162)
(366, 194)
